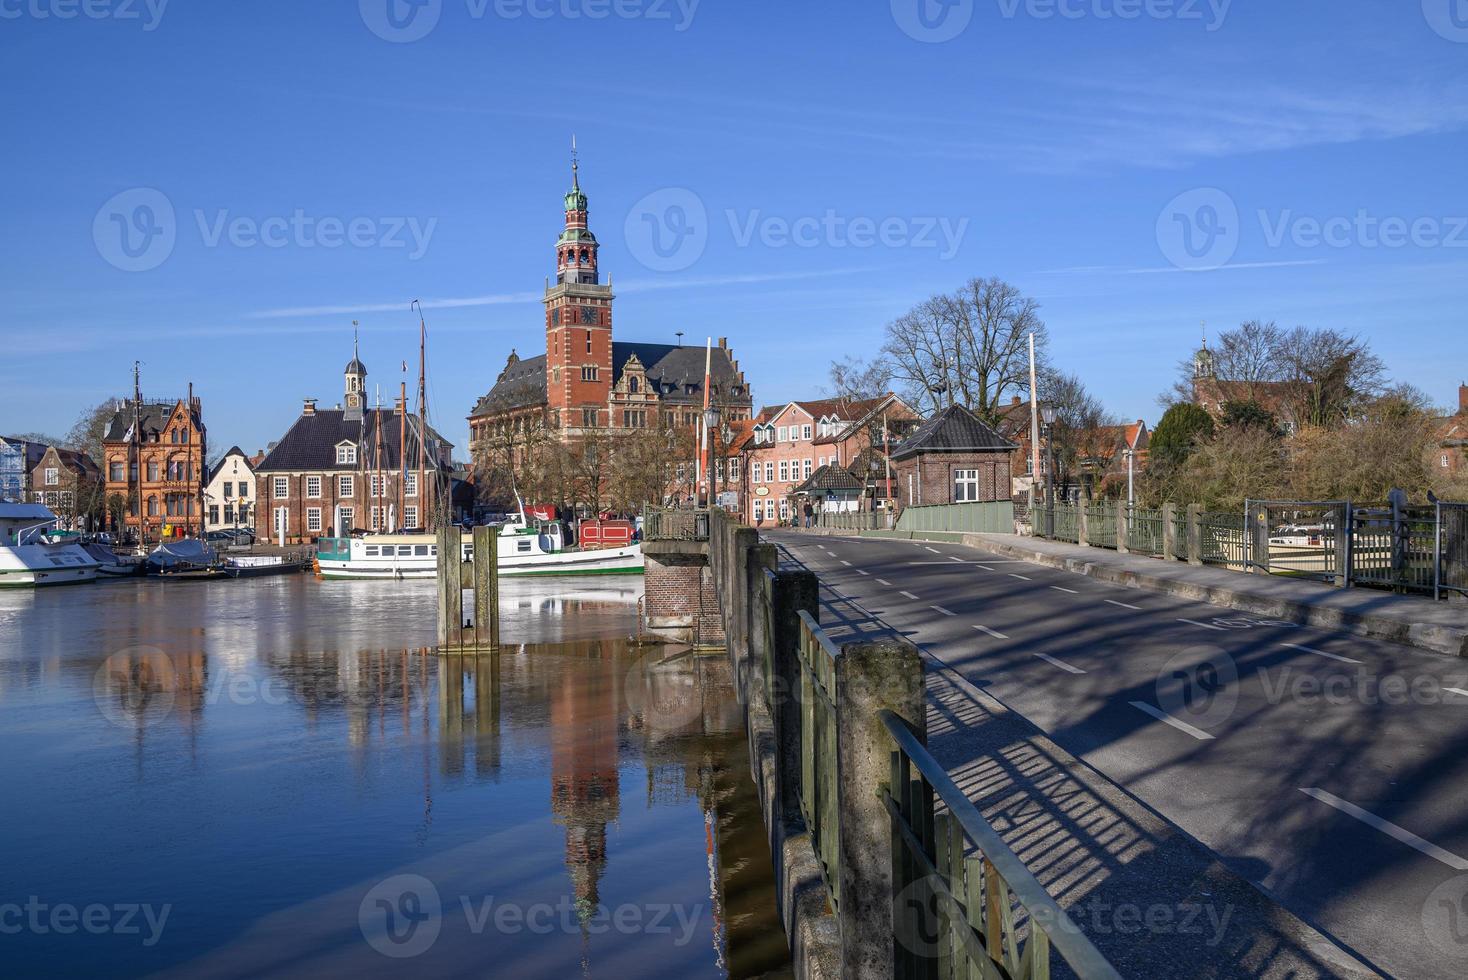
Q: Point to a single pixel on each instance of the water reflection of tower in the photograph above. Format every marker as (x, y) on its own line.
(585, 787)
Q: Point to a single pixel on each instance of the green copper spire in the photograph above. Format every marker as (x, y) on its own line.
(576, 200)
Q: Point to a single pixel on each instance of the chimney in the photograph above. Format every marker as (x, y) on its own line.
(1463, 399)
(310, 407)
(1014, 400)
(723, 343)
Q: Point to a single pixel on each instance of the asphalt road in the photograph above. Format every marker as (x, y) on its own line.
(1329, 770)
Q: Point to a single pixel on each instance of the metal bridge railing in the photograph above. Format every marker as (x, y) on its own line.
(674, 524)
(979, 915)
(1225, 541)
(1144, 534)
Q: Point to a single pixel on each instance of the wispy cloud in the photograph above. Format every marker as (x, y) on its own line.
(1111, 270)
(503, 299)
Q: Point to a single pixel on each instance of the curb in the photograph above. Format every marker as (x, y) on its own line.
(1446, 640)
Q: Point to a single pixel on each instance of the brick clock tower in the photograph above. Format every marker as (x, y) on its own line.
(578, 325)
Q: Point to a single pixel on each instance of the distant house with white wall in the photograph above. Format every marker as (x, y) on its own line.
(229, 500)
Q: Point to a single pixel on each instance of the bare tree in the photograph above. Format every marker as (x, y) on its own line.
(1084, 437)
(853, 379)
(1331, 375)
(969, 348)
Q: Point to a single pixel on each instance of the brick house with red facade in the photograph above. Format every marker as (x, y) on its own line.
(954, 457)
(154, 466)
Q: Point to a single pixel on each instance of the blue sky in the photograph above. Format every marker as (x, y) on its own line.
(810, 170)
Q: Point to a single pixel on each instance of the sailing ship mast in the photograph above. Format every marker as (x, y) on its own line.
(135, 461)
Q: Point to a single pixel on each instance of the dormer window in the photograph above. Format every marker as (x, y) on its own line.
(346, 454)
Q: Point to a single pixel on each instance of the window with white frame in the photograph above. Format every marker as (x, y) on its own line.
(377, 518)
(807, 469)
(53, 476)
(734, 468)
(410, 516)
(1445, 461)
(346, 454)
(410, 485)
(769, 472)
(346, 486)
(784, 509)
(282, 488)
(313, 487)
(313, 520)
(782, 434)
(379, 485)
(784, 471)
(965, 486)
(805, 432)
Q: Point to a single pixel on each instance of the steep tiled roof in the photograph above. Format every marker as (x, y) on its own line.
(520, 385)
(953, 430)
(830, 477)
(311, 442)
(154, 416)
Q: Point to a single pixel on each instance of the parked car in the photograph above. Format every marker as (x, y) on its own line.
(243, 536)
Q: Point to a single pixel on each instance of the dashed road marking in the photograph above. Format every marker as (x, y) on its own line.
(882, 581)
(1058, 663)
(1387, 827)
(846, 563)
(911, 596)
(1018, 575)
(933, 550)
(862, 571)
(994, 633)
(946, 612)
(1206, 626)
(955, 558)
(1322, 653)
(1457, 690)
(1059, 589)
(1124, 605)
(1163, 716)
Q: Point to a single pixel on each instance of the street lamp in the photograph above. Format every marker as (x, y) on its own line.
(1047, 415)
(710, 426)
(1130, 455)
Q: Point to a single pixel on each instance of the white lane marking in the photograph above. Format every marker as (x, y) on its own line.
(1017, 575)
(933, 550)
(910, 596)
(953, 558)
(1206, 626)
(1124, 605)
(846, 563)
(1322, 653)
(1387, 827)
(882, 581)
(1059, 589)
(1163, 716)
(1058, 663)
(862, 571)
(1457, 690)
(946, 612)
(994, 633)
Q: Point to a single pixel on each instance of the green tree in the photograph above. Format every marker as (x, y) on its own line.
(1250, 415)
(1182, 429)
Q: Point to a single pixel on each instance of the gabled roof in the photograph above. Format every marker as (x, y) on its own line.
(953, 430)
(76, 461)
(153, 415)
(831, 478)
(233, 451)
(311, 442)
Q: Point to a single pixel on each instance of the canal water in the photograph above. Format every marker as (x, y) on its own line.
(271, 777)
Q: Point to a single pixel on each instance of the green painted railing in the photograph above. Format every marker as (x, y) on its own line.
(1144, 532)
(673, 524)
(992, 516)
(818, 789)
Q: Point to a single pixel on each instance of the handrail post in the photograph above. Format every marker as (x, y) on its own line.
(870, 677)
(1083, 523)
(1195, 534)
(1122, 516)
(1169, 532)
(1344, 536)
(791, 593)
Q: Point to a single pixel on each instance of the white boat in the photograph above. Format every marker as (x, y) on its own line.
(524, 549)
(29, 559)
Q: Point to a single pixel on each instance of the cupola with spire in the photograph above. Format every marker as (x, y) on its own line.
(356, 382)
(577, 247)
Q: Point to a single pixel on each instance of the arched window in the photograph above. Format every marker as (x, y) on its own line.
(152, 506)
(632, 384)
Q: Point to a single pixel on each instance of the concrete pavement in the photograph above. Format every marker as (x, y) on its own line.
(1322, 767)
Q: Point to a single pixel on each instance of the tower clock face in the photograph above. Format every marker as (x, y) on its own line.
(352, 401)
(588, 314)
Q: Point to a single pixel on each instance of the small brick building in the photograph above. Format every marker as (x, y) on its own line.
(952, 458)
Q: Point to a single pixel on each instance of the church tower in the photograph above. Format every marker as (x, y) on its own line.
(578, 323)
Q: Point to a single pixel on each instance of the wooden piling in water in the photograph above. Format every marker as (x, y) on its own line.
(486, 588)
(450, 590)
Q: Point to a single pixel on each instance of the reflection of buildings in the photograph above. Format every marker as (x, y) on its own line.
(585, 785)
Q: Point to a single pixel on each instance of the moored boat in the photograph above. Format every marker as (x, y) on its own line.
(523, 549)
(28, 558)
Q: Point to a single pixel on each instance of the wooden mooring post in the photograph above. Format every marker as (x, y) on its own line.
(482, 635)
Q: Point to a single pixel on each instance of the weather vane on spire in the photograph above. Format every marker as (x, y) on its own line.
(1205, 334)
(575, 164)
